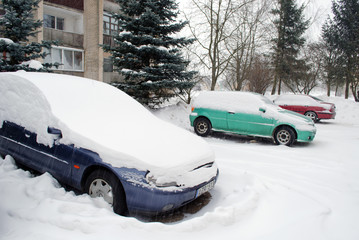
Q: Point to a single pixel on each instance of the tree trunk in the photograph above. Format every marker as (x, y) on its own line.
(279, 86)
(347, 87)
(336, 90)
(214, 79)
(356, 96)
(274, 85)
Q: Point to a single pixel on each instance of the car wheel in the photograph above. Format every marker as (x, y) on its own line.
(102, 183)
(202, 126)
(312, 115)
(284, 136)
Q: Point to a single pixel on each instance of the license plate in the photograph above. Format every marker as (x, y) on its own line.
(205, 188)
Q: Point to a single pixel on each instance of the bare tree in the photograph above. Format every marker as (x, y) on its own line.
(313, 54)
(309, 70)
(211, 24)
(260, 76)
(246, 41)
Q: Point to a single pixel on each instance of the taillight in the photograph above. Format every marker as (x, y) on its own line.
(192, 109)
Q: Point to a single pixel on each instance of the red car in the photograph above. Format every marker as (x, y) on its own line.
(307, 105)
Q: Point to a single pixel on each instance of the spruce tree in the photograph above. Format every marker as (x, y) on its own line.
(18, 24)
(342, 33)
(290, 25)
(334, 61)
(147, 54)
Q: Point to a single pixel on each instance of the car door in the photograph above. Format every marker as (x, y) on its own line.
(298, 108)
(237, 121)
(260, 124)
(251, 123)
(240, 114)
(55, 159)
(218, 118)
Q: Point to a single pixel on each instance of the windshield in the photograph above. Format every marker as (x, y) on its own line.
(266, 100)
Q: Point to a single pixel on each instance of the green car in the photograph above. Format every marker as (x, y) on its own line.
(249, 114)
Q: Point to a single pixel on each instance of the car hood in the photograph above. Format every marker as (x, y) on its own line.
(101, 118)
(285, 116)
(294, 118)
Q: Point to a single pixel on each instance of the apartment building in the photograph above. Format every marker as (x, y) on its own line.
(80, 26)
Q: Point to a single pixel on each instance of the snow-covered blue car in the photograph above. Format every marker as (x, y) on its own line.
(95, 138)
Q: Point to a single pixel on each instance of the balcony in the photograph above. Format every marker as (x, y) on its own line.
(65, 38)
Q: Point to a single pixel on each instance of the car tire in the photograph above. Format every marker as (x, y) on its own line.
(284, 136)
(202, 127)
(312, 115)
(102, 183)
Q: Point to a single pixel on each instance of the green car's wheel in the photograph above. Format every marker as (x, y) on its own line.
(202, 126)
(284, 136)
(102, 183)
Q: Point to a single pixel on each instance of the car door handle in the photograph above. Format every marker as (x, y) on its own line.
(231, 112)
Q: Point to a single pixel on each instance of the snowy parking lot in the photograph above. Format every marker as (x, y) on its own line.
(264, 191)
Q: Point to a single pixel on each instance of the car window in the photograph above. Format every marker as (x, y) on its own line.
(13, 131)
(315, 98)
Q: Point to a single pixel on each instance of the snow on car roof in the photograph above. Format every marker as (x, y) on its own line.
(97, 116)
(296, 99)
(231, 101)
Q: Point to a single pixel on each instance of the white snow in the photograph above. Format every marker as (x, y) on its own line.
(228, 101)
(30, 104)
(264, 192)
(7, 40)
(33, 64)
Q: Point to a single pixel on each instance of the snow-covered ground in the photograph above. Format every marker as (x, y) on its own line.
(309, 191)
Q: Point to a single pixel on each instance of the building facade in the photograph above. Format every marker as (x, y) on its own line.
(80, 27)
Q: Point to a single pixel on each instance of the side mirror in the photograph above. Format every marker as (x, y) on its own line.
(263, 109)
(54, 131)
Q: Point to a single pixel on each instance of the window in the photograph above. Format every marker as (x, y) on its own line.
(70, 58)
(107, 65)
(110, 25)
(60, 22)
(54, 22)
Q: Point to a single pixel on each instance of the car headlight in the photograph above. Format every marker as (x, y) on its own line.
(161, 181)
(306, 127)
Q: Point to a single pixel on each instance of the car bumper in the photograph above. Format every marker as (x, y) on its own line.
(192, 117)
(326, 115)
(305, 136)
(151, 200)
